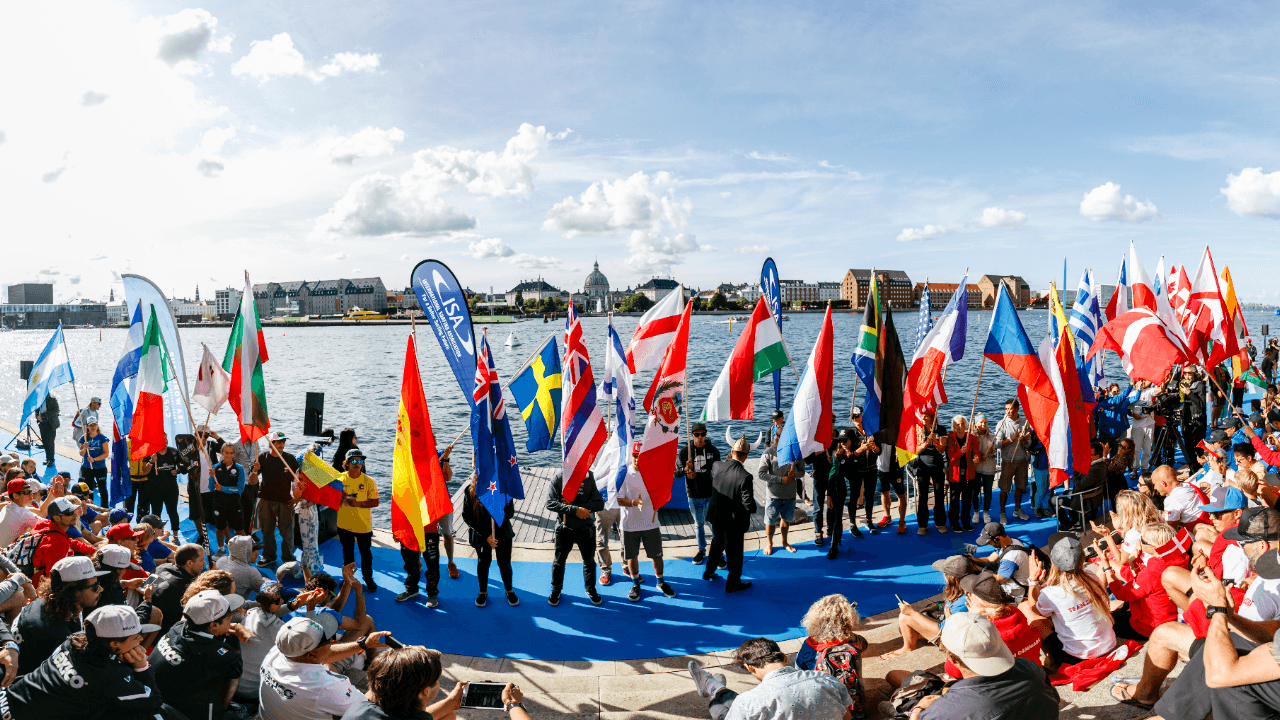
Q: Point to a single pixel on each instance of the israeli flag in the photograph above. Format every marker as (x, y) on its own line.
(615, 456)
(52, 369)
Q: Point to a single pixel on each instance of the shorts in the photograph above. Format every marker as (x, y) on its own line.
(1013, 473)
(228, 515)
(891, 481)
(209, 507)
(784, 510)
(444, 526)
(652, 539)
(1052, 647)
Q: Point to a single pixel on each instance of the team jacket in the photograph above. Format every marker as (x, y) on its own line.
(83, 688)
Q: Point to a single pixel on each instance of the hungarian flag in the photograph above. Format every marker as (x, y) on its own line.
(146, 432)
(665, 402)
(655, 332)
(418, 493)
(246, 352)
(758, 352)
(322, 484)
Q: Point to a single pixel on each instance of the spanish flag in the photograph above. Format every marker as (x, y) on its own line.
(418, 493)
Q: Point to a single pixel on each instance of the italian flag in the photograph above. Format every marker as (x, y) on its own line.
(146, 432)
(759, 351)
(246, 352)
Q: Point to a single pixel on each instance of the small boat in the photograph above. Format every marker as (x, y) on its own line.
(512, 341)
(786, 317)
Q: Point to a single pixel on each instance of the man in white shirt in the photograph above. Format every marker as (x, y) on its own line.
(640, 525)
(17, 517)
(1182, 501)
(296, 685)
(1142, 429)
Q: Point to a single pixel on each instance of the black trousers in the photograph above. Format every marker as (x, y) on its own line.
(486, 555)
(927, 477)
(248, 507)
(365, 540)
(861, 485)
(47, 433)
(164, 496)
(836, 493)
(1189, 698)
(96, 478)
(819, 501)
(960, 502)
(413, 568)
(1192, 433)
(584, 538)
(728, 544)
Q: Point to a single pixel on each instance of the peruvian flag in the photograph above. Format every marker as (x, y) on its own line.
(759, 351)
(246, 352)
(943, 346)
(1208, 311)
(1119, 302)
(146, 432)
(665, 402)
(655, 332)
(1147, 347)
(808, 427)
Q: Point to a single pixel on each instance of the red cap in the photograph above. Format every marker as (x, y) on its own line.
(16, 486)
(123, 531)
(635, 448)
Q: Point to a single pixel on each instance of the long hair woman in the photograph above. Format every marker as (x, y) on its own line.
(915, 625)
(346, 443)
(1134, 510)
(1069, 606)
(489, 539)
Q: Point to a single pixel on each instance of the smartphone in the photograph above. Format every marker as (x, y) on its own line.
(392, 643)
(483, 695)
(900, 600)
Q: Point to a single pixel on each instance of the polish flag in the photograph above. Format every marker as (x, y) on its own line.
(1144, 293)
(655, 332)
(665, 402)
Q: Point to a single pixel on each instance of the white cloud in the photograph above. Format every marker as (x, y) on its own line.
(91, 98)
(525, 260)
(1105, 203)
(379, 204)
(998, 217)
(928, 232)
(1253, 192)
(210, 168)
(773, 157)
(3, 138)
(101, 257)
(278, 57)
(489, 248)
(53, 175)
(747, 249)
(369, 142)
(74, 279)
(484, 173)
(213, 139)
(338, 256)
(646, 206)
(404, 258)
(182, 37)
(50, 271)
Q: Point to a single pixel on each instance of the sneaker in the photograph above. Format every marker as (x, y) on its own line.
(432, 601)
(554, 599)
(594, 596)
(986, 517)
(264, 563)
(834, 552)
(370, 586)
(1003, 518)
(884, 522)
(634, 595)
(453, 571)
(975, 517)
(968, 527)
(874, 530)
(666, 589)
(706, 685)
(943, 529)
(902, 528)
(626, 570)
(512, 599)
(407, 595)
(737, 588)
(606, 577)
(482, 599)
(819, 540)
(700, 558)
(922, 531)
(724, 562)
(1021, 515)
(855, 532)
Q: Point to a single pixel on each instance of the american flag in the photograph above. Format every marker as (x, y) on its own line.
(925, 324)
(582, 432)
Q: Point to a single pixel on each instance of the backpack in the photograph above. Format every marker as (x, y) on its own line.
(916, 687)
(843, 661)
(22, 551)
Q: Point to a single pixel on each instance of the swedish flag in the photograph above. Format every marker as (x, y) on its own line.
(537, 393)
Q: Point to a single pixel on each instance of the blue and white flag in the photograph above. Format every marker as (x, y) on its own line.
(615, 384)
(52, 368)
(124, 382)
(1085, 321)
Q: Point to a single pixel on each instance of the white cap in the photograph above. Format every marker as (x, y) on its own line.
(301, 635)
(76, 568)
(62, 506)
(208, 605)
(277, 436)
(117, 621)
(976, 641)
(91, 419)
(118, 557)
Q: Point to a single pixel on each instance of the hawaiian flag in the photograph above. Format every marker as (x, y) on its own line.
(582, 432)
(418, 493)
(146, 431)
(1119, 302)
(246, 353)
(808, 427)
(497, 471)
(665, 402)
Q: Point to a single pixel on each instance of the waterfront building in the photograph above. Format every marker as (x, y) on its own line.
(226, 302)
(1019, 290)
(598, 299)
(940, 294)
(828, 291)
(532, 290)
(798, 291)
(895, 288)
(80, 313)
(31, 294)
(657, 288)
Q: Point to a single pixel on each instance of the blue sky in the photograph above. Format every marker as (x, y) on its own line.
(188, 143)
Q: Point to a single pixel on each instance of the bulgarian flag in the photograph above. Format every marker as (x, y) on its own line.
(321, 483)
(759, 351)
(418, 493)
(246, 352)
(146, 432)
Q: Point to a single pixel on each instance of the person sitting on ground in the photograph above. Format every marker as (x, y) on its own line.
(404, 683)
(1147, 604)
(1226, 557)
(239, 561)
(263, 623)
(914, 625)
(1069, 607)
(54, 543)
(358, 625)
(994, 685)
(1133, 512)
(296, 685)
(1008, 562)
(833, 646)
(20, 515)
(172, 581)
(783, 691)
(71, 588)
(198, 664)
(116, 561)
(99, 672)
(1182, 500)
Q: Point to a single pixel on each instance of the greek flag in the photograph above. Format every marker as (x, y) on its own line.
(925, 324)
(1086, 319)
(53, 368)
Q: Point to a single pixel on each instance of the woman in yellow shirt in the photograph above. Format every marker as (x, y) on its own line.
(355, 521)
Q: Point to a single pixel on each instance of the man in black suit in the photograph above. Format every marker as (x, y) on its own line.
(732, 504)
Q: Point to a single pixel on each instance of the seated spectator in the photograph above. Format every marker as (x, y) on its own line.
(20, 515)
(173, 579)
(220, 580)
(1086, 493)
(1008, 562)
(1134, 510)
(1182, 500)
(994, 684)
(296, 685)
(833, 643)
(101, 672)
(116, 560)
(54, 543)
(239, 561)
(263, 623)
(1226, 557)
(197, 663)
(1147, 604)
(71, 588)
(915, 625)
(1069, 607)
(804, 693)
(404, 683)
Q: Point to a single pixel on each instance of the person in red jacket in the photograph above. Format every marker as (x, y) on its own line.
(1148, 605)
(54, 542)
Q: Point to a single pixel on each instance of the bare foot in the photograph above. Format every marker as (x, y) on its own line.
(768, 550)
(896, 653)
(788, 547)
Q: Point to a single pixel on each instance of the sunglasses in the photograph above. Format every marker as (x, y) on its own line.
(699, 434)
(96, 587)
(355, 462)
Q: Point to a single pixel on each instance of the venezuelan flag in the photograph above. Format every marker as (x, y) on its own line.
(537, 392)
(418, 493)
(325, 483)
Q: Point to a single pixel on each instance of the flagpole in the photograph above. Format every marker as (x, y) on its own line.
(784, 340)
(513, 377)
(974, 409)
(610, 408)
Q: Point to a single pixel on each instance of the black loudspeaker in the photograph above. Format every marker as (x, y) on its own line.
(24, 368)
(1266, 330)
(313, 416)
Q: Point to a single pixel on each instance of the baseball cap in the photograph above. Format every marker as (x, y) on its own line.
(355, 453)
(291, 569)
(118, 516)
(955, 566)
(1066, 553)
(1231, 423)
(95, 399)
(91, 419)
(301, 635)
(1225, 498)
(1217, 436)
(698, 427)
(62, 506)
(117, 621)
(152, 520)
(76, 568)
(208, 605)
(976, 641)
(849, 434)
(1267, 566)
(1256, 524)
(990, 531)
(6, 459)
(279, 436)
(16, 485)
(635, 448)
(81, 488)
(35, 485)
(985, 586)
(1273, 415)
(123, 531)
(118, 557)
(1255, 418)
(777, 415)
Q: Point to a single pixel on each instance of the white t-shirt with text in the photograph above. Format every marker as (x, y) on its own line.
(1082, 628)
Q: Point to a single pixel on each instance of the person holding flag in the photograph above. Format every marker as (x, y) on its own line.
(489, 538)
(612, 464)
(51, 369)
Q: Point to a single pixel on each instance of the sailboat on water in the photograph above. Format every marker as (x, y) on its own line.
(513, 341)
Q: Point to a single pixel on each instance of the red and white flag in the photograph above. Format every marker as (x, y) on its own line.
(1144, 293)
(1119, 302)
(146, 433)
(1208, 311)
(1146, 346)
(665, 402)
(654, 333)
(1180, 294)
(213, 384)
